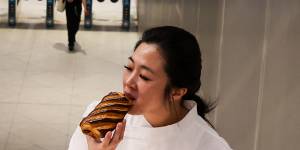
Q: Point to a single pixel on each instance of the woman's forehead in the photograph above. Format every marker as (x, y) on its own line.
(147, 52)
(149, 55)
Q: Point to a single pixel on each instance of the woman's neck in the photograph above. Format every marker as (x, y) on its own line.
(166, 116)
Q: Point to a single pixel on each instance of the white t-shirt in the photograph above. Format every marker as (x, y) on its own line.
(190, 133)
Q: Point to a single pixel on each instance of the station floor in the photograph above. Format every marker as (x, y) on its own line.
(44, 88)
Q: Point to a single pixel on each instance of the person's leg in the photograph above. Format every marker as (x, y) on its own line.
(71, 24)
(78, 17)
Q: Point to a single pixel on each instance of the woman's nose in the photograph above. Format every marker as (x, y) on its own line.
(131, 81)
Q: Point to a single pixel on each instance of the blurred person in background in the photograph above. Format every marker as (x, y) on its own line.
(73, 14)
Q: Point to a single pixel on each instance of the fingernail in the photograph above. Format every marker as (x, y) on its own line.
(108, 134)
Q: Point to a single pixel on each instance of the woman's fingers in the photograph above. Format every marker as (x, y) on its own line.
(123, 130)
(119, 133)
(107, 139)
(92, 143)
(115, 139)
(110, 141)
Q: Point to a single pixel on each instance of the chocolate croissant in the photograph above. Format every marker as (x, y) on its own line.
(111, 110)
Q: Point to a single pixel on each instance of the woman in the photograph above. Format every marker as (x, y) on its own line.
(162, 77)
(73, 14)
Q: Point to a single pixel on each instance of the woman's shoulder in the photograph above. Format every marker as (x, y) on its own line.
(212, 140)
(202, 133)
(205, 137)
(90, 108)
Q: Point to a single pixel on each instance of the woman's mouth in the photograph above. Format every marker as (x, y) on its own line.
(130, 96)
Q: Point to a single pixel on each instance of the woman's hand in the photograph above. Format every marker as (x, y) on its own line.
(110, 141)
(86, 12)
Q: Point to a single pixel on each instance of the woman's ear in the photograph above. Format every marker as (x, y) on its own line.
(178, 93)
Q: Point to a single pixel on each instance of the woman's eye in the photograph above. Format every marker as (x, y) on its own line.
(128, 68)
(144, 78)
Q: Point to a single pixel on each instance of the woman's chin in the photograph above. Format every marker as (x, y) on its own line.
(133, 111)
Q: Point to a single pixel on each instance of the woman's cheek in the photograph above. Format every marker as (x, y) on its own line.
(142, 87)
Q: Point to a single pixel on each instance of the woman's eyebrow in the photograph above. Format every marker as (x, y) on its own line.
(142, 66)
(130, 58)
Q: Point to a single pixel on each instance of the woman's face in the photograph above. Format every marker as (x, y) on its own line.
(144, 80)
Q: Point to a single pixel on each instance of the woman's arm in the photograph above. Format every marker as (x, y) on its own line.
(86, 12)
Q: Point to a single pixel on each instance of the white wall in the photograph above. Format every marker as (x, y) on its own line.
(251, 51)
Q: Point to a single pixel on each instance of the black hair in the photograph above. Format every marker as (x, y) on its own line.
(182, 54)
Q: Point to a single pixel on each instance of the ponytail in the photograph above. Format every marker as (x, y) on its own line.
(202, 107)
